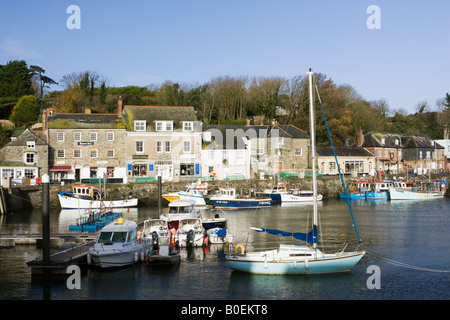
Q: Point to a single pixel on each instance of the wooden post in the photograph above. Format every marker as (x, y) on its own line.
(46, 218)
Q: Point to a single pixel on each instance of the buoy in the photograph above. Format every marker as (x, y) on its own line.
(205, 240)
(227, 246)
(237, 247)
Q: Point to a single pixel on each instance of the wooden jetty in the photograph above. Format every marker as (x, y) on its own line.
(10, 240)
(60, 261)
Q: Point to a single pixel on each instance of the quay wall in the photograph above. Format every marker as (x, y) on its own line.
(26, 198)
(31, 197)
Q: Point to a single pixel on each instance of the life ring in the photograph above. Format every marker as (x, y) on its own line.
(236, 248)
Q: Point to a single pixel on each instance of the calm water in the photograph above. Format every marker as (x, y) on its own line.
(415, 234)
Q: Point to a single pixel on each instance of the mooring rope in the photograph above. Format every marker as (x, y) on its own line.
(405, 265)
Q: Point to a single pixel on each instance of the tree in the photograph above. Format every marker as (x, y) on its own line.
(38, 72)
(15, 79)
(26, 111)
(447, 101)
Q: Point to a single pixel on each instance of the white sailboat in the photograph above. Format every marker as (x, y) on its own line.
(295, 259)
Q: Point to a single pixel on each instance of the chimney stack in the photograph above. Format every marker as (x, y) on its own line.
(119, 106)
(359, 137)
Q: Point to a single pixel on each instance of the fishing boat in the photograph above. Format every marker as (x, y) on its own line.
(90, 197)
(356, 190)
(215, 221)
(117, 245)
(227, 198)
(379, 190)
(190, 232)
(180, 209)
(275, 193)
(297, 259)
(195, 191)
(425, 190)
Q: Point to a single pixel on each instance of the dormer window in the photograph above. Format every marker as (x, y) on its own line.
(164, 125)
(140, 125)
(383, 141)
(188, 126)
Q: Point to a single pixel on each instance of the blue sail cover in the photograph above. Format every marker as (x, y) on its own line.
(310, 237)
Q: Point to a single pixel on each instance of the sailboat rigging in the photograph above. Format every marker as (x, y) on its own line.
(297, 259)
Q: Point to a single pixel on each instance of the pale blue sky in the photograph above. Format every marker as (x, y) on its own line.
(148, 42)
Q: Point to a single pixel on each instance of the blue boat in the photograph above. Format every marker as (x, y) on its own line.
(227, 199)
(275, 193)
(379, 190)
(355, 191)
(94, 221)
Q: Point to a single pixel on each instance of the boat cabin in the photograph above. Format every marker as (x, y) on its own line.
(119, 231)
(181, 206)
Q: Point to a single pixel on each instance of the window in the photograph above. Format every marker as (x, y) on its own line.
(139, 169)
(31, 144)
(139, 146)
(110, 153)
(93, 136)
(29, 173)
(9, 173)
(428, 154)
(298, 152)
(110, 172)
(332, 167)
(260, 151)
(188, 126)
(93, 172)
(163, 146)
(420, 154)
(77, 153)
(77, 136)
(140, 125)
(93, 153)
(187, 169)
(210, 154)
(60, 136)
(29, 157)
(60, 153)
(186, 146)
(110, 136)
(164, 125)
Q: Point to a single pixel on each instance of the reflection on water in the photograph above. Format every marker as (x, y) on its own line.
(412, 232)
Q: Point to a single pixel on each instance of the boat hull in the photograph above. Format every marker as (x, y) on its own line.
(240, 203)
(328, 264)
(353, 196)
(297, 198)
(199, 200)
(404, 194)
(373, 195)
(118, 258)
(67, 202)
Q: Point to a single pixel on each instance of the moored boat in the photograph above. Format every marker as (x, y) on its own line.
(355, 191)
(118, 244)
(420, 191)
(180, 209)
(195, 191)
(379, 190)
(227, 199)
(89, 197)
(190, 232)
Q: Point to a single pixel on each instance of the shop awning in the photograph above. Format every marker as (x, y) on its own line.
(60, 168)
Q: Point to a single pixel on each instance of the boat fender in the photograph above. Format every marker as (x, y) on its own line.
(142, 255)
(89, 259)
(227, 246)
(237, 247)
(306, 263)
(136, 256)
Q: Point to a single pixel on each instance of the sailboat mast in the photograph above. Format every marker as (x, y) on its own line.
(313, 147)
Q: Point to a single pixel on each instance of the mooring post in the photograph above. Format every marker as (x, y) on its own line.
(46, 218)
(159, 196)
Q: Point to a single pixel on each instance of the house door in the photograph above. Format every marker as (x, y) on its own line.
(77, 175)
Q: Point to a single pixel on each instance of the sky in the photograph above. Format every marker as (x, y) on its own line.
(399, 52)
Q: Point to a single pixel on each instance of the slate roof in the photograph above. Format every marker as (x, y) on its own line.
(84, 121)
(251, 132)
(154, 113)
(21, 140)
(344, 151)
(373, 139)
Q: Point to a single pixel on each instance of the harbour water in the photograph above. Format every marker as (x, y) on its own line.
(407, 244)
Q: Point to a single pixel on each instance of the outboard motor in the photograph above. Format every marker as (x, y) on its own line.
(155, 239)
(190, 237)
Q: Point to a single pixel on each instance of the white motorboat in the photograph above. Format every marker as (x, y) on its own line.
(165, 253)
(296, 259)
(89, 197)
(155, 229)
(180, 209)
(118, 244)
(195, 191)
(190, 232)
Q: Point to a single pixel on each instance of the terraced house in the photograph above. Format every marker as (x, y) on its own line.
(85, 147)
(162, 140)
